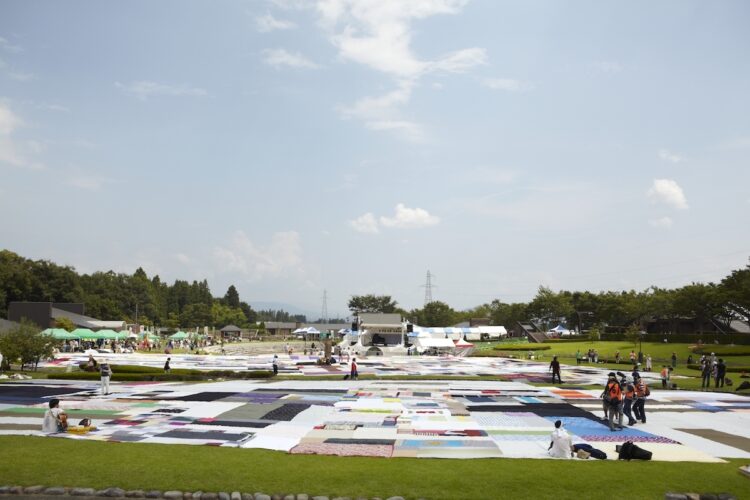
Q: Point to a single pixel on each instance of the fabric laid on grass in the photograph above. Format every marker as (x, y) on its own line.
(343, 450)
(286, 412)
(738, 442)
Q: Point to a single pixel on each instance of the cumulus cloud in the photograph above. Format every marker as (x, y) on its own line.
(88, 182)
(403, 218)
(410, 218)
(279, 58)
(663, 222)
(268, 23)
(668, 192)
(9, 47)
(182, 258)
(378, 34)
(282, 256)
(670, 156)
(365, 223)
(12, 152)
(145, 89)
(506, 84)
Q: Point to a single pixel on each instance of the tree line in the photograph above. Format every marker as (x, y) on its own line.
(718, 302)
(114, 296)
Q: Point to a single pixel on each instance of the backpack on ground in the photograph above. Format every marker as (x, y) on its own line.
(595, 453)
(629, 451)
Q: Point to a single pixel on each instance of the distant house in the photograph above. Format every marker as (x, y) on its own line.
(45, 314)
(231, 331)
(282, 328)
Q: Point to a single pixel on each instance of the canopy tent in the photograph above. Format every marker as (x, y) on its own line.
(424, 343)
(86, 334)
(461, 343)
(313, 330)
(60, 334)
(111, 334)
(300, 330)
(179, 335)
(560, 330)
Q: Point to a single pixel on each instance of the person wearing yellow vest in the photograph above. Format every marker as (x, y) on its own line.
(612, 394)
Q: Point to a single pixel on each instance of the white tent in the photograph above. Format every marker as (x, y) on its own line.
(424, 343)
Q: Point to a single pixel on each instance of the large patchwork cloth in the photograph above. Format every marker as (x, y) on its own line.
(381, 418)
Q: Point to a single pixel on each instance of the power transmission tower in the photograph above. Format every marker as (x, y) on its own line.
(324, 311)
(428, 288)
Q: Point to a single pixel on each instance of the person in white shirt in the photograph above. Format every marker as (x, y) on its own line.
(561, 445)
(106, 373)
(55, 419)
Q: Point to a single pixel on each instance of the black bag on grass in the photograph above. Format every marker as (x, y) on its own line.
(595, 453)
(629, 451)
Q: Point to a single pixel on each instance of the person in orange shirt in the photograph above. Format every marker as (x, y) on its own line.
(641, 393)
(664, 376)
(613, 395)
(628, 402)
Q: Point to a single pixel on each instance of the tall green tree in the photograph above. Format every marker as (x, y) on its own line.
(372, 304)
(232, 298)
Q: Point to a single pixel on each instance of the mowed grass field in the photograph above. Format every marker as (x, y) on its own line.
(65, 462)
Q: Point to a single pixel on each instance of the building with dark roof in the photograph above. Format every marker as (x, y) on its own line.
(45, 314)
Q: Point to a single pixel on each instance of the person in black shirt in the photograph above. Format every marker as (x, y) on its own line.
(554, 367)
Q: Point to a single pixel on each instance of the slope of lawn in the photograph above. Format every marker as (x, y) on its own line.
(65, 462)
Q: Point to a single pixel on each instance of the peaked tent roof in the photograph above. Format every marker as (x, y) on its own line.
(231, 329)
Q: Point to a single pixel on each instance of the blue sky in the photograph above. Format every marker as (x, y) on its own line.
(294, 146)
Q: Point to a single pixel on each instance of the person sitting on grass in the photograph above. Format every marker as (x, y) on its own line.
(55, 419)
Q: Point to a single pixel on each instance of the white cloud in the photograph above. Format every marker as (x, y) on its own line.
(269, 23)
(9, 47)
(21, 76)
(670, 156)
(281, 257)
(670, 193)
(144, 89)
(378, 34)
(664, 222)
(279, 58)
(11, 151)
(610, 67)
(8, 120)
(365, 223)
(461, 61)
(506, 84)
(182, 258)
(408, 130)
(88, 182)
(410, 218)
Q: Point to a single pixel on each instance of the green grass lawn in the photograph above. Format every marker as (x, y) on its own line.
(64, 462)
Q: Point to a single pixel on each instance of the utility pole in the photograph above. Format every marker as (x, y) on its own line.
(324, 309)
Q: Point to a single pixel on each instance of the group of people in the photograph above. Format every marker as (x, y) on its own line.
(711, 368)
(624, 397)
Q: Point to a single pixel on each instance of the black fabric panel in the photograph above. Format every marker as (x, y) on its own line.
(286, 412)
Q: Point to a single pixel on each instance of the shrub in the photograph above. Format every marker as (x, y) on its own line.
(730, 369)
(723, 350)
(523, 347)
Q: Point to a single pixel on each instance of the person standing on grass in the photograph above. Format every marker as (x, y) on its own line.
(578, 357)
(554, 367)
(167, 368)
(353, 374)
(105, 372)
(721, 373)
(275, 364)
(649, 366)
(674, 360)
(705, 375)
